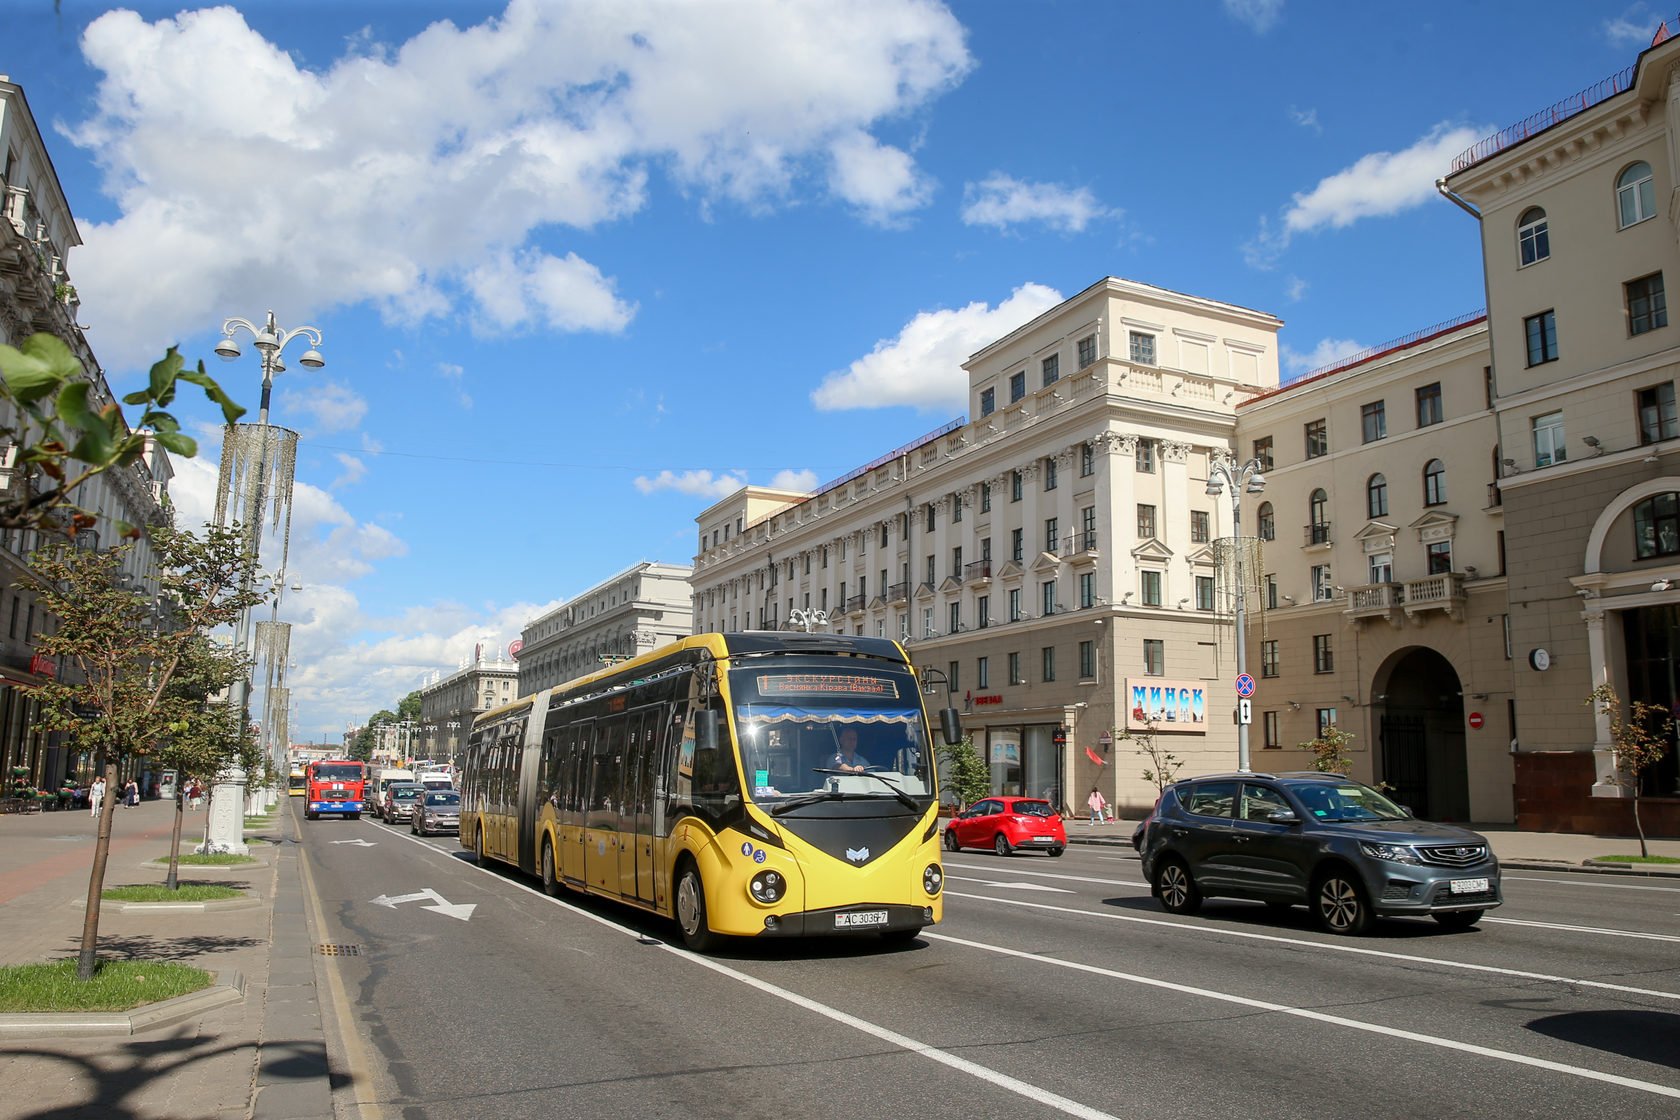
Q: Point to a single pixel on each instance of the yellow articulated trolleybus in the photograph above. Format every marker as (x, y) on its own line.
(761, 784)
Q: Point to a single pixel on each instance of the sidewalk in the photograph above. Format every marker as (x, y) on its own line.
(264, 1056)
(1553, 851)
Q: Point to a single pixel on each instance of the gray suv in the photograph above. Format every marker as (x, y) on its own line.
(1337, 845)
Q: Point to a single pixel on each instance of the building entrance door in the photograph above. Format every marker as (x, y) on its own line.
(1422, 750)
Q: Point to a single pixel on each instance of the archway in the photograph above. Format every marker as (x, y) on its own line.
(1420, 745)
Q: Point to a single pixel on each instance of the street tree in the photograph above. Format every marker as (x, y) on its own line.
(966, 771)
(409, 708)
(63, 435)
(1163, 764)
(1330, 750)
(122, 707)
(1638, 743)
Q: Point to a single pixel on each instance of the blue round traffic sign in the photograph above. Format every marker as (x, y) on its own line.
(1245, 685)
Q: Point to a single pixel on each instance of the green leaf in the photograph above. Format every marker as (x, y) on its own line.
(73, 407)
(94, 447)
(28, 378)
(177, 444)
(230, 412)
(164, 373)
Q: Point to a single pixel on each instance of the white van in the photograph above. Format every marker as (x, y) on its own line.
(386, 777)
(437, 779)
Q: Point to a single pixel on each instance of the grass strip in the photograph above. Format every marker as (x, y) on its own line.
(208, 859)
(157, 892)
(1637, 859)
(116, 986)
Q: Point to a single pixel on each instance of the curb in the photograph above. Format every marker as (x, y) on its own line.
(195, 868)
(205, 906)
(227, 987)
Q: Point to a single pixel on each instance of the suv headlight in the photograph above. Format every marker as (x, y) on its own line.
(1396, 852)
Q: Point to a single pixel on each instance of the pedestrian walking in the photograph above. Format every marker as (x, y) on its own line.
(193, 795)
(131, 793)
(1097, 802)
(96, 795)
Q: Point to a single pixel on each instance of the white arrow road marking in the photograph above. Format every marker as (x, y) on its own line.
(442, 905)
(358, 841)
(1012, 886)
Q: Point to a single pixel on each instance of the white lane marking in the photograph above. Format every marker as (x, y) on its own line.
(439, 903)
(962, 1065)
(1012, 886)
(1299, 942)
(1321, 1017)
(1586, 929)
(1585, 882)
(1046, 874)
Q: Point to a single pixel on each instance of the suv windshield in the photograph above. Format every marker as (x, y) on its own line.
(407, 793)
(1348, 801)
(831, 731)
(440, 797)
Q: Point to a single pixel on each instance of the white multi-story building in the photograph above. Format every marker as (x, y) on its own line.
(449, 704)
(640, 609)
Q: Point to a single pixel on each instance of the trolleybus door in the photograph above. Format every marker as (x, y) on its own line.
(576, 763)
(600, 836)
(636, 821)
(629, 841)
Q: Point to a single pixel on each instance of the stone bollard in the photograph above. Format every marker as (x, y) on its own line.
(225, 832)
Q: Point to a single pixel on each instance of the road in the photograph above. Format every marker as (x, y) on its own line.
(1053, 988)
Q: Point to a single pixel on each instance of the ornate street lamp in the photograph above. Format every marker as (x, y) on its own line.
(1242, 479)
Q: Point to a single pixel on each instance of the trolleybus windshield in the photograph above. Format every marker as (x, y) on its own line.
(829, 731)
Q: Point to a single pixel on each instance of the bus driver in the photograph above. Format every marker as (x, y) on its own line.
(847, 758)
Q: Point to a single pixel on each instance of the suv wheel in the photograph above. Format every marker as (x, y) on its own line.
(1176, 889)
(1339, 902)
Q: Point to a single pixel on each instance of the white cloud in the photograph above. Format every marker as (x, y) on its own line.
(330, 407)
(1296, 289)
(416, 177)
(1328, 350)
(1306, 118)
(354, 471)
(922, 367)
(1260, 15)
(702, 483)
(1633, 28)
(1001, 201)
(794, 480)
(454, 374)
(1375, 186)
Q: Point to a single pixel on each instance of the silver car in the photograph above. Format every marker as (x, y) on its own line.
(437, 810)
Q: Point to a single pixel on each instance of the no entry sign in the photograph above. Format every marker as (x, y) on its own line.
(1475, 719)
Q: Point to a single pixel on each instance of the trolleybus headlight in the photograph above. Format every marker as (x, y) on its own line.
(768, 886)
(932, 878)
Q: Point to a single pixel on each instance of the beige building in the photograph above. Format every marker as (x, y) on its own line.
(1383, 594)
(639, 609)
(449, 705)
(1578, 217)
(1052, 558)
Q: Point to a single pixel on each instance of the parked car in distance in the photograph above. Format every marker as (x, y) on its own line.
(399, 801)
(437, 810)
(1007, 824)
(1334, 844)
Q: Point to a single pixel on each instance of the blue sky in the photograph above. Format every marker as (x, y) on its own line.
(581, 269)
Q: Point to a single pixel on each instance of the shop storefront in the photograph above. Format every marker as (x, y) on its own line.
(1025, 760)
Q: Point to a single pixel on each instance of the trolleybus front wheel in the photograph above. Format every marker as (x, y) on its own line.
(550, 881)
(691, 911)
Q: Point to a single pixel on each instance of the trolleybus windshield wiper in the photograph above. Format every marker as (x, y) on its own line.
(882, 778)
(801, 801)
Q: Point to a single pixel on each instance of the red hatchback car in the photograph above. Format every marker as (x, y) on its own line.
(1004, 824)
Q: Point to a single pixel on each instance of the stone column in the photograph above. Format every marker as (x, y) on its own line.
(226, 829)
(1606, 780)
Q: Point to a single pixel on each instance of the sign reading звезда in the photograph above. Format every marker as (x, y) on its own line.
(1169, 705)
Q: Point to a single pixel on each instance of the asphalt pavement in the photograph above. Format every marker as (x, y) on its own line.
(264, 1050)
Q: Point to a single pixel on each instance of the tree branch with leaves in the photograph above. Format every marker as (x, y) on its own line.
(1638, 742)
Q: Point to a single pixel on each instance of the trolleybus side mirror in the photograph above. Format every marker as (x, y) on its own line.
(706, 730)
(950, 721)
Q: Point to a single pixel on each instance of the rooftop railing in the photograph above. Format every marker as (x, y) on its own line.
(1530, 126)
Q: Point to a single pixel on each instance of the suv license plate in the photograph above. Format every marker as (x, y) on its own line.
(860, 918)
(1469, 886)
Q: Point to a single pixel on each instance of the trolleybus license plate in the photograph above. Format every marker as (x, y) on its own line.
(860, 918)
(1469, 886)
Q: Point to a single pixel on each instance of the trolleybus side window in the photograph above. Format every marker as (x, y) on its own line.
(603, 782)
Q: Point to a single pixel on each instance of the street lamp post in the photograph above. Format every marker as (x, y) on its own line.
(1241, 479)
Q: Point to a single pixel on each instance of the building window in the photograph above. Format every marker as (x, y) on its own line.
(1656, 413)
(1541, 332)
(1201, 529)
(1533, 242)
(932, 572)
(1047, 661)
(927, 623)
(1204, 593)
(1087, 589)
(1656, 526)
(1429, 410)
(983, 611)
(1087, 460)
(1646, 304)
(1636, 197)
(1318, 509)
(1145, 522)
(988, 401)
(1051, 527)
(1087, 661)
(1380, 567)
(1548, 440)
(1017, 386)
(985, 500)
(1271, 593)
(1323, 589)
(1268, 522)
(1016, 548)
(1326, 719)
(1324, 658)
(1047, 597)
(956, 563)
(1318, 439)
(956, 508)
(1087, 350)
(1088, 527)
(1272, 738)
(983, 673)
(1151, 588)
(1142, 348)
(1434, 483)
(1050, 473)
(1015, 676)
(1373, 420)
(1269, 658)
(1146, 456)
(986, 551)
(1015, 604)
(1376, 496)
(1052, 368)
(956, 621)
(951, 675)
(931, 519)
(1154, 657)
(1263, 452)
(1440, 558)
(1014, 486)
